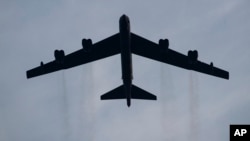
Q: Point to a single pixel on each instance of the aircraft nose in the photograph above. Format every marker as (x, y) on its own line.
(123, 17)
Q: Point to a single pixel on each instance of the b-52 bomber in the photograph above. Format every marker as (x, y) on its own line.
(126, 43)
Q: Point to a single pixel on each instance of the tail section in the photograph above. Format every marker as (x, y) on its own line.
(117, 93)
(136, 93)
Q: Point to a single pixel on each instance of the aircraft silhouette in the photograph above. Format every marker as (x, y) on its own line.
(126, 43)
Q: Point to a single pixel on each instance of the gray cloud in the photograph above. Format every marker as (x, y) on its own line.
(66, 105)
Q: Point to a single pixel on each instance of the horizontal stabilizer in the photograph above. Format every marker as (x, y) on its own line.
(138, 93)
(116, 93)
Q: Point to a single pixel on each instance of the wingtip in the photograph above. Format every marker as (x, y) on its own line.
(27, 75)
(228, 76)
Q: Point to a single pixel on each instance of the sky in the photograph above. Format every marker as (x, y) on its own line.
(66, 105)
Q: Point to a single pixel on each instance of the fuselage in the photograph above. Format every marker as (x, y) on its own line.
(126, 56)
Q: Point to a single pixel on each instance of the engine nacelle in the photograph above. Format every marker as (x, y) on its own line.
(59, 56)
(87, 44)
(192, 56)
(164, 43)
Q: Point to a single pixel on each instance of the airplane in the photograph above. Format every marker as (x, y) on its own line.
(125, 42)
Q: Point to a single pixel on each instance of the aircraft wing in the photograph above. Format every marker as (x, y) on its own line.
(105, 48)
(143, 47)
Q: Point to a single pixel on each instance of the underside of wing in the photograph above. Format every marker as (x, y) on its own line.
(161, 52)
(89, 53)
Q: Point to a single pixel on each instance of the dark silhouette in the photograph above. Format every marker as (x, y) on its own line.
(129, 43)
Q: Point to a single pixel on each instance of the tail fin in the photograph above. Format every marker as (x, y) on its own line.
(136, 93)
(116, 93)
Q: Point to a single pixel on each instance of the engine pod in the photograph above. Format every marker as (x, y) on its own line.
(164, 44)
(192, 56)
(59, 56)
(87, 44)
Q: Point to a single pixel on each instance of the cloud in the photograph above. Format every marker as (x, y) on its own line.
(66, 105)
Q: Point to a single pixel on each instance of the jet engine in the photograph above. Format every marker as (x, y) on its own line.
(59, 56)
(192, 56)
(86, 44)
(164, 43)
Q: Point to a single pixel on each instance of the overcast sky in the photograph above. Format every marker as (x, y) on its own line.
(66, 105)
